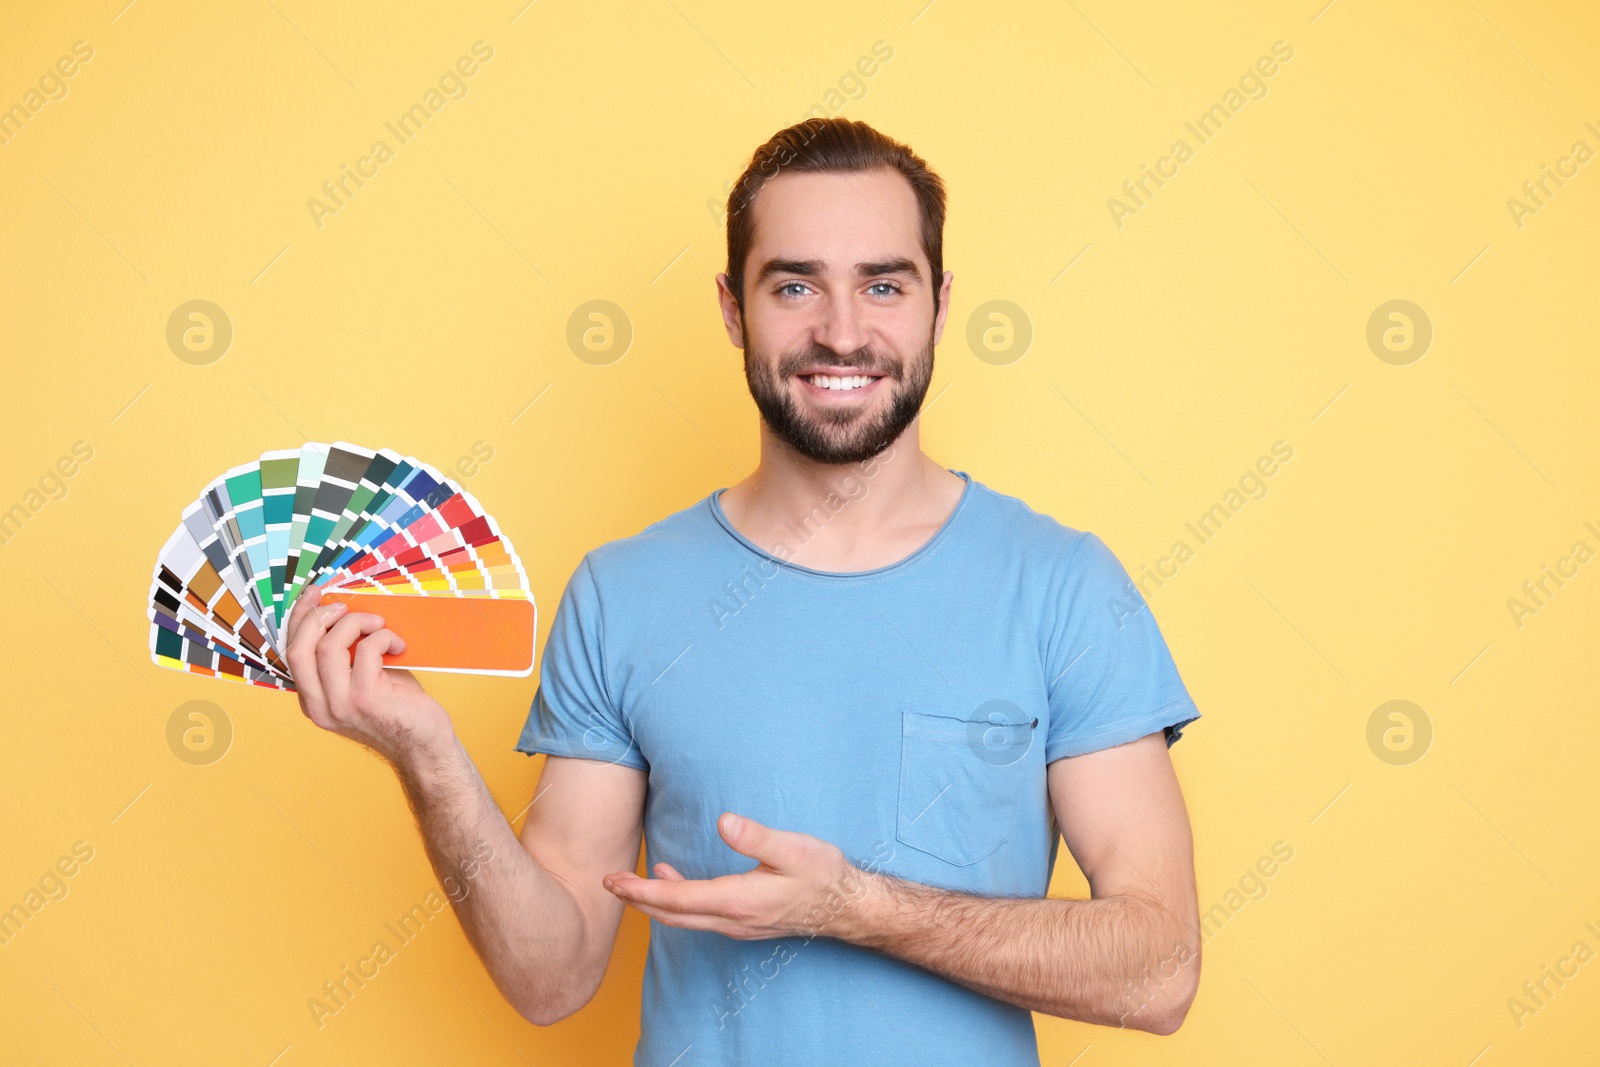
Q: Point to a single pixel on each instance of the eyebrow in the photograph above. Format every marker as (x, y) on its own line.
(815, 268)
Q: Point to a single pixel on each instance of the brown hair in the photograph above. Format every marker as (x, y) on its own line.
(832, 145)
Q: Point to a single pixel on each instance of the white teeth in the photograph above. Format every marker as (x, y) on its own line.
(825, 381)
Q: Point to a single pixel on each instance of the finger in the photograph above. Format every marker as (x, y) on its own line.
(670, 873)
(301, 655)
(309, 599)
(715, 896)
(714, 923)
(333, 656)
(775, 848)
(366, 673)
(313, 625)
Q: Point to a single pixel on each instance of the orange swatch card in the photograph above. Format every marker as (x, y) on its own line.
(463, 635)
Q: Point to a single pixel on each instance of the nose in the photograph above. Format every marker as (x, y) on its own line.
(840, 328)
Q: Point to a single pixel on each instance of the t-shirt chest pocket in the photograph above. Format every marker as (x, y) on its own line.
(961, 780)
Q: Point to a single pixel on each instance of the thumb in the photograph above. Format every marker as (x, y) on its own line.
(750, 838)
(366, 668)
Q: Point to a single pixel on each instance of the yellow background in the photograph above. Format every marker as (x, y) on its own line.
(1227, 314)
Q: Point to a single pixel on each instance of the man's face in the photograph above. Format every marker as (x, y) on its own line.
(838, 328)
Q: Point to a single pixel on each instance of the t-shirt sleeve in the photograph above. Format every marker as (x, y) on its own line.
(1112, 678)
(572, 712)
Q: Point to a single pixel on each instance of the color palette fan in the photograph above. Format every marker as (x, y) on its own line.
(381, 532)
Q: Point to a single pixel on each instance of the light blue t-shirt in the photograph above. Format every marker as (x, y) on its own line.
(905, 714)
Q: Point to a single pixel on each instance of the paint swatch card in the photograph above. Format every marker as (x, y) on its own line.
(383, 533)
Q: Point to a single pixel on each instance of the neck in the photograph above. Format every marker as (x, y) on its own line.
(843, 517)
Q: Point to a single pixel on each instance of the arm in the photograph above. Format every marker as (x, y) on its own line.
(1130, 956)
(534, 909)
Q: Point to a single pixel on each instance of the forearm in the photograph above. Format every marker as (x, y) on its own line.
(1121, 961)
(523, 922)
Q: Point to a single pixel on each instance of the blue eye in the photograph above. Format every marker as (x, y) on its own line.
(786, 285)
(890, 285)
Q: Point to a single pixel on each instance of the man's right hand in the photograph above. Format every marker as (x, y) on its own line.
(383, 708)
(537, 914)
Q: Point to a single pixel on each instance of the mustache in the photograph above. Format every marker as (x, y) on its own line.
(865, 362)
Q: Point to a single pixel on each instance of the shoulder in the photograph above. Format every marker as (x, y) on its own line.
(1061, 559)
(664, 547)
(1018, 523)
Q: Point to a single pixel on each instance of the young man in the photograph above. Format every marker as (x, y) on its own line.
(852, 703)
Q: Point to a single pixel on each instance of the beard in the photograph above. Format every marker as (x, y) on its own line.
(837, 436)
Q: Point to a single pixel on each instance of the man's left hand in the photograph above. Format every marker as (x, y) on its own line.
(800, 885)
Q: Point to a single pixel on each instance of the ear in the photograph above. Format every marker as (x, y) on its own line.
(732, 321)
(944, 304)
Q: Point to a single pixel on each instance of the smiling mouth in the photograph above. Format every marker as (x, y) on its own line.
(840, 383)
